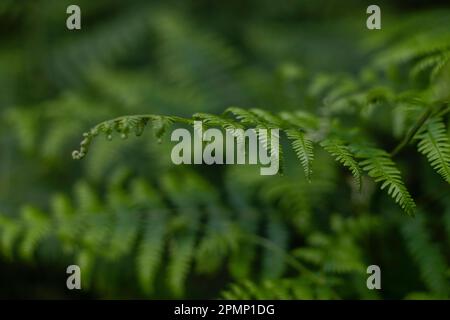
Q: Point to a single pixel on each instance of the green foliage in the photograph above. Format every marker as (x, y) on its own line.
(329, 255)
(136, 220)
(434, 144)
(304, 150)
(284, 289)
(379, 166)
(349, 104)
(344, 155)
(431, 262)
(376, 162)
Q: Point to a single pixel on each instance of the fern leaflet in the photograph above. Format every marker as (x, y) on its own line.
(379, 166)
(343, 154)
(303, 147)
(435, 145)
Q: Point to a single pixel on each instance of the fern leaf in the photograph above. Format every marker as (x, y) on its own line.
(343, 154)
(217, 121)
(9, 235)
(270, 119)
(182, 251)
(37, 224)
(379, 166)
(439, 66)
(435, 145)
(300, 119)
(150, 250)
(427, 254)
(303, 147)
(246, 117)
(285, 289)
(435, 62)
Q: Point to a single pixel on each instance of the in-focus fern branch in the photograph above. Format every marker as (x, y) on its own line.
(256, 118)
(376, 162)
(379, 166)
(435, 145)
(124, 125)
(303, 147)
(344, 155)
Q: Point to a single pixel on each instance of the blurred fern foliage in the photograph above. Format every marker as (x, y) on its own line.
(364, 117)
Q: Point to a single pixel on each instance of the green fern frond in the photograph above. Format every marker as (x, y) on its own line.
(182, 251)
(379, 166)
(433, 62)
(36, 225)
(421, 44)
(70, 62)
(303, 147)
(150, 251)
(271, 120)
(338, 252)
(196, 58)
(270, 289)
(218, 241)
(246, 117)
(279, 237)
(300, 119)
(294, 197)
(299, 288)
(343, 154)
(434, 143)
(431, 261)
(217, 121)
(123, 126)
(9, 235)
(439, 65)
(377, 162)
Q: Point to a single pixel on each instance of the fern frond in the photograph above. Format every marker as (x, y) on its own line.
(187, 198)
(343, 154)
(294, 197)
(182, 250)
(36, 225)
(300, 119)
(337, 253)
(138, 224)
(419, 45)
(271, 120)
(299, 288)
(196, 58)
(303, 147)
(217, 121)
(218, 241)
(427, 254)
(246, 117)
(434, 62)
(154, 235)
(124, 125)
(379, 166)
(150, 251)
(9, 235)
(439, 66)
(434, 143)
(70, 62)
